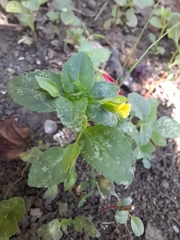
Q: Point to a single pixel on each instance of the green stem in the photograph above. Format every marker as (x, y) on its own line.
(153, 44)
(174, 55)
(83, 129)
(130, 54)
(32, 26)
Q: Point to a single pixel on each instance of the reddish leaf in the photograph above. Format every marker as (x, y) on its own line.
(13, 139)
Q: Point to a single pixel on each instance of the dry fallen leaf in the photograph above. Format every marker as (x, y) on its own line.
(13, 139)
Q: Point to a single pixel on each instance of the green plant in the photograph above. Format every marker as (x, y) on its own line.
(55, 228)
(25, 8)
(111, 145)
(11, 212)
(159, 21)
(175, 35)
(123, 12)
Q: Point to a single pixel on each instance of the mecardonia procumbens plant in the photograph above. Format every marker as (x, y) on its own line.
(78, 95)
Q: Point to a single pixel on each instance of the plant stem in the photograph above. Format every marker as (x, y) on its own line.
(153, 44)
(133, 48)
(114, 25)
(173, 56)
(84, 127)
(32, 26)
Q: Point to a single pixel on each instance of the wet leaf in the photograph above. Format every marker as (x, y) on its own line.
(158, 139)
(102, 89)
(71, 113)
(24, 90)
(137, 226)
(77, 74)
(46, 170)
(108, 151)
(97, 113)
(12, 138)
(51, 231)
(167, 127)
(11, 212)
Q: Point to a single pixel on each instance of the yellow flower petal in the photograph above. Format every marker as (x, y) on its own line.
(124, 109)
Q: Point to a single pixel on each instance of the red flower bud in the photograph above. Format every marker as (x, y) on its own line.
(108, 78)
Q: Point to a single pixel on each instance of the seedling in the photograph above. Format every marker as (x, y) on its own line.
(25, 8)
(123, 12)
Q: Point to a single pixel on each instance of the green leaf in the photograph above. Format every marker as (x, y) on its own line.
(146, 163)
(63, 5)
(71, 113)
(32, 5)
(30, 155)
(174, 33)
(145, 133)
(121, 2)
(52, 15)
(67, 17)
(46, 170)
(176, 60)
(140, 106)
(109, 152)
(99, 55)
(51, 192)
(97, 113)
(122, 216)
(24, 90)
(130, 129)
(152, 116)
(70, 154)
(142, 4)
(137, 226)
(11, 212)
(152, 37)
(158, 139)
(167, 127)
(156, 22)
(83, 223)
(107, 24)
(77, 74)
(48, 85)
(50, 231)
(63, 207)
(42, 1)
(26, 18)
(126, 201)
(131, 18)
(70, 180)
(85, 45)
(102, 89)
(13, 7)
(148, 148)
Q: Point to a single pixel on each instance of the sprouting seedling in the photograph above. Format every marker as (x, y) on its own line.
(25, 10)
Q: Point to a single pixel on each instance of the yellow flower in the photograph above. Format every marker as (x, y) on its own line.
(123, 109)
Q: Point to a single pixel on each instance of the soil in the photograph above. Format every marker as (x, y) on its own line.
(155, 191)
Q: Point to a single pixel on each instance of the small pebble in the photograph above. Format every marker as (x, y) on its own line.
(176, 229)
(50, 126)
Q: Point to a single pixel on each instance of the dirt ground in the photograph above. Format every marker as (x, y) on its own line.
(155, 191)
